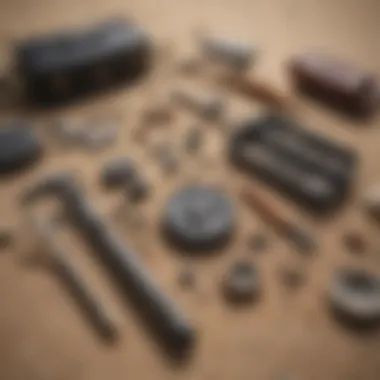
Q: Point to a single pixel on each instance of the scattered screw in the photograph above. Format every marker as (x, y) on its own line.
(100, 137)
(241, 283)
(210, 107)
(234, 54)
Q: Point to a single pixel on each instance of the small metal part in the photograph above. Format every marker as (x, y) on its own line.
(233, 54)
(193, 139)
(69, 132)
(6, 238)
(355, 242)
(116, 172)
(88, 134)
(58, 263)
(199, 218)
(99, 136)
(121, 172)
(257, 242)
(210, 108)
(241, 283)
(165, 320)
(302, 239)
(354, 296)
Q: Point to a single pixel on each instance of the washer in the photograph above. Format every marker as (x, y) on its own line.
(355, 296)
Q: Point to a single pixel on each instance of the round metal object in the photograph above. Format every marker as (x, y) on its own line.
(241, 283)
(199, 218)
(355, 296)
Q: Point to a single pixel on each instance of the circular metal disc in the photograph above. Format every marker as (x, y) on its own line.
(355, 295)
(199, 218)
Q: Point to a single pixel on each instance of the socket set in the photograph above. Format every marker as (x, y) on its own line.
(62, 66)
(310, 169)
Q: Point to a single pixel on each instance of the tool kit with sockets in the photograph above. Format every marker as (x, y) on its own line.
(312, 170)
(276, 150)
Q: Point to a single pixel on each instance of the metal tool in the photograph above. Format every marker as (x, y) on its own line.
(210, 107)
(233, 54)
(122, 172)
(75, 283)
(242, 283)
(297, 235)
(164, 319)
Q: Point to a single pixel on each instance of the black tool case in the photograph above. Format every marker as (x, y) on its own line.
(63, 66)
(309, 168)
(19, 148)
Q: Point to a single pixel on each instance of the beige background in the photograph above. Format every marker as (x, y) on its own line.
(42, 335)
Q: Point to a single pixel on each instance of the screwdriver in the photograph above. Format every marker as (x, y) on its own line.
(300, 238)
